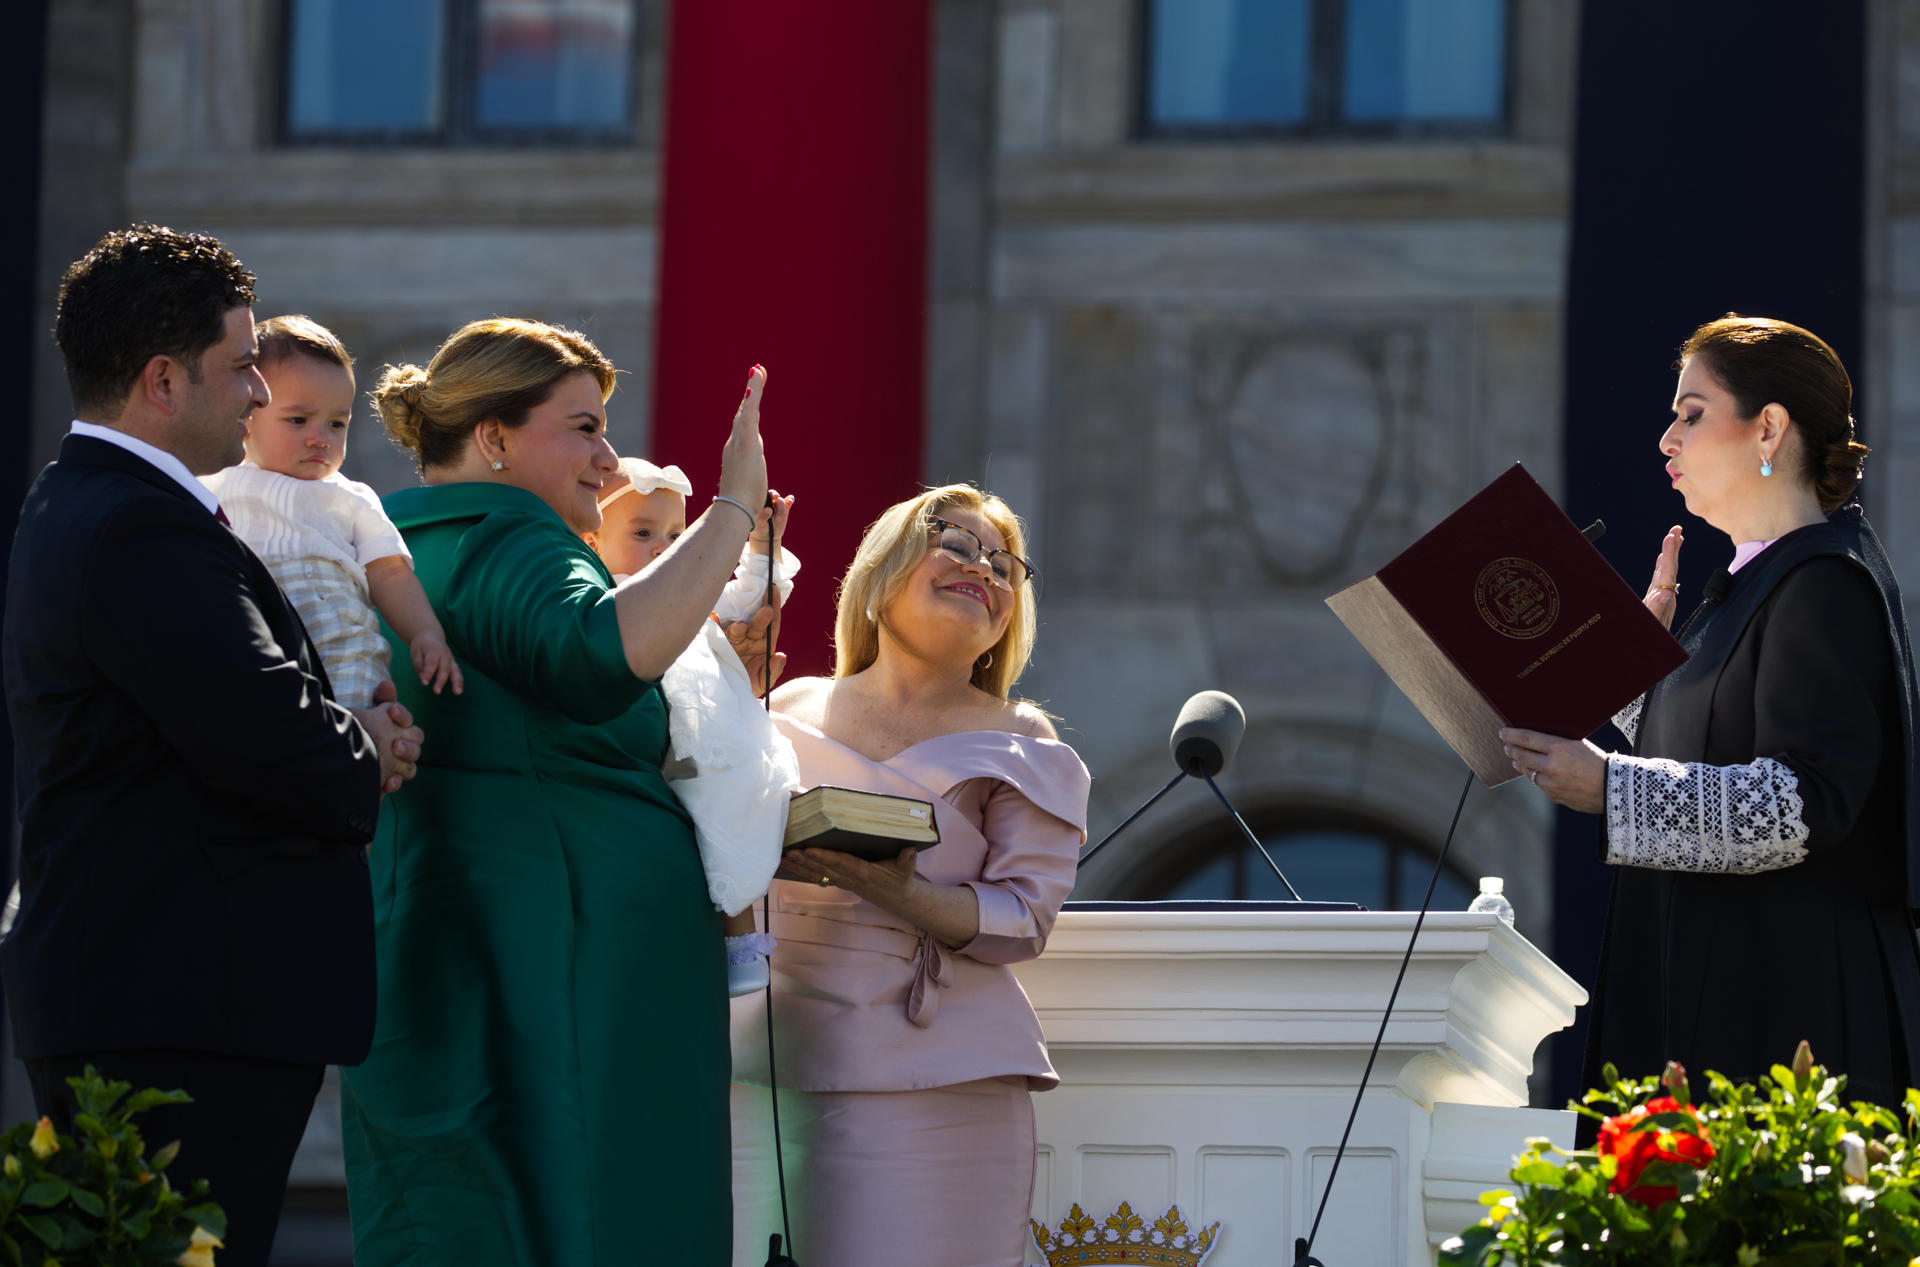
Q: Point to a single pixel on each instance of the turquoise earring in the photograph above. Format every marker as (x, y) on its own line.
(1766, 467)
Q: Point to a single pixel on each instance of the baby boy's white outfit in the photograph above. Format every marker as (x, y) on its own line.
(317, 537)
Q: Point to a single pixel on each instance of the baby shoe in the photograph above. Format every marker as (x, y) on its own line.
(747, 968)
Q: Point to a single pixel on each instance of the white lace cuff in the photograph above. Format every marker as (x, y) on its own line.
(1729, 820)
(1627, 720)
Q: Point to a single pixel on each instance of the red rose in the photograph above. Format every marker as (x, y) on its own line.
(1635, 1150)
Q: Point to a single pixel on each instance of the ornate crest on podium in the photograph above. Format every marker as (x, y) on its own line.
(1124, 1238)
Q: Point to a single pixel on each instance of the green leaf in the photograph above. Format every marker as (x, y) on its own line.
(1469, 1247)
(89, 1202)
(1539, 1174)
(137, 1224)
(209, 1216)
(153, 1098)
(45, 1193)
(43, 1226)
(73, 1233)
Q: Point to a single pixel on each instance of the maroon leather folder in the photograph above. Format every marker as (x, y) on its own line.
(1505, 615)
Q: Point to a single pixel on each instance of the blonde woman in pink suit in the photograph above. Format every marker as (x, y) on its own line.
(906, 1050)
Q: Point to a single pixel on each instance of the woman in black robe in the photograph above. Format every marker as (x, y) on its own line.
(1763, 832)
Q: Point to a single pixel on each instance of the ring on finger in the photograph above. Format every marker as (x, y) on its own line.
(1533, 777)
(825, 881)
(1673, 589)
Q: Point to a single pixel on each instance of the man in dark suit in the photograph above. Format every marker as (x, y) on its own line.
(194, 904)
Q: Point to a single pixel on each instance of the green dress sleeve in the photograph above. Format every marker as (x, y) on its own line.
(532, 607)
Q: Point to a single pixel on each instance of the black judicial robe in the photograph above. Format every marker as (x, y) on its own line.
(1805, 660)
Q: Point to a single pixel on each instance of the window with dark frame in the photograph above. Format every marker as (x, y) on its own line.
(1324, 68)
(1329, 857)
(458, 72)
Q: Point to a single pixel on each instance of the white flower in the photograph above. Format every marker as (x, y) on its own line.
(1853, 1151)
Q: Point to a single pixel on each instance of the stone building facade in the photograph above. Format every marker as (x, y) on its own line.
(1222, 378)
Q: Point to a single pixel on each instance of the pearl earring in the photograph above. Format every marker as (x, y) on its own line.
(1766, 467)
(498, 465)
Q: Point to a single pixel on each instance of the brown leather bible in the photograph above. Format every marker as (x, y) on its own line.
(1505, 615)
(870, 825)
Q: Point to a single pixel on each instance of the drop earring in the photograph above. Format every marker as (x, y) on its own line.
(1766, 467)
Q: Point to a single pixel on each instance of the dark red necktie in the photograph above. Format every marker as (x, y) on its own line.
(221, 515)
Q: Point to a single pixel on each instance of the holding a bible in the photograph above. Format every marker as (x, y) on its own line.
(906, 1051)
(1764, 830)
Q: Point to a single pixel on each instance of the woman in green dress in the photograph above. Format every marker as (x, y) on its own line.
(549, 1074)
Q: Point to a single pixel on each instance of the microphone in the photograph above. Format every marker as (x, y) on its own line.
(1715, 590)
(1207, 733)
(1594, 531)
(1205, 736)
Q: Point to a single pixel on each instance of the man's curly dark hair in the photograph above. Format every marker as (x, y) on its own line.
(141, 292)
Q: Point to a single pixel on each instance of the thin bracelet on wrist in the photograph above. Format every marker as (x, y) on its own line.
(752, 518)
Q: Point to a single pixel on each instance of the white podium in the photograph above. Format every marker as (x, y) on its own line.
(1209, 1059)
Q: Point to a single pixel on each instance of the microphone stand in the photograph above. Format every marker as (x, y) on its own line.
(1196, 769)
(1125, 823)
(1247, 831)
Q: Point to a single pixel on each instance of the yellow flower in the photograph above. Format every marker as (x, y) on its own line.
(44, 1143)
(200, 1253)
(1748, 1256)
(11, 1166)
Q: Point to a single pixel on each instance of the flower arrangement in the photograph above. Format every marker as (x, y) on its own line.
(1778, 1174)
(98, 1200)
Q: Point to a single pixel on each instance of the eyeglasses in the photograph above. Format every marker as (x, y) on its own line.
(1007, 570)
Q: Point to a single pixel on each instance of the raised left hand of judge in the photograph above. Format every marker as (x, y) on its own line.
(1572, 772)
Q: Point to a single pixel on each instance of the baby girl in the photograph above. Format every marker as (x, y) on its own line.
(728, 765)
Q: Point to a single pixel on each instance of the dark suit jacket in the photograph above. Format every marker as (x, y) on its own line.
(192, 802)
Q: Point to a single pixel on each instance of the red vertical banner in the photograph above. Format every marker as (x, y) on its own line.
(793, 232)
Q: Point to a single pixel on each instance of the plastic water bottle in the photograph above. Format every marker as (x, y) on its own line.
(1493, 898)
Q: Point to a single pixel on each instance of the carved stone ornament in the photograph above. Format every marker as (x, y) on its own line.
(1125, 1238)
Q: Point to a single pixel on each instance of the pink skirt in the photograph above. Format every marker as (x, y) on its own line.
(935, 1178)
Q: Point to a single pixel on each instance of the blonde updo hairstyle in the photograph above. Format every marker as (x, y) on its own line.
(892, 548)
(499, 369)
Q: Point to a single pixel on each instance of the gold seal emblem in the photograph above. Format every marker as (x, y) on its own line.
(1516, 598)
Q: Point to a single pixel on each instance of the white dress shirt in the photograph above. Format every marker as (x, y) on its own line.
(165, 462)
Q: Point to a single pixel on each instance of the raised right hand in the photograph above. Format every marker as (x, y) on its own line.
(1663, 591)
(743, 462)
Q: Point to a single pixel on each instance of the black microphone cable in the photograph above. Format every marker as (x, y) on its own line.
(1303, 1245)
(774, 1257)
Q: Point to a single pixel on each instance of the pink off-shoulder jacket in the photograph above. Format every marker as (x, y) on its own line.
(864, 1001)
